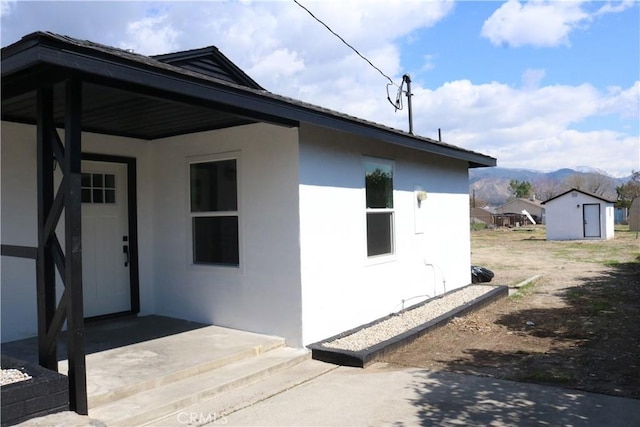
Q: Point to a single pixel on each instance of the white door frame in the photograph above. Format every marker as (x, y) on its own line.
(131, 182)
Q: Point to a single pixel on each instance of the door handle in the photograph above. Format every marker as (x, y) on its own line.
(125, 250)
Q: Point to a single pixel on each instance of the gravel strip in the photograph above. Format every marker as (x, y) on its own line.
(402, 322)
(13, 376)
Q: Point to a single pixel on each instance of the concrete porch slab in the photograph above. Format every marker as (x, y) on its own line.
(130, 355)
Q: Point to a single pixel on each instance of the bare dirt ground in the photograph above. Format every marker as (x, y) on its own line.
(578, 326)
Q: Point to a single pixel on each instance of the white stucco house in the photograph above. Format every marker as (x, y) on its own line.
(577, 215)
(205, 197)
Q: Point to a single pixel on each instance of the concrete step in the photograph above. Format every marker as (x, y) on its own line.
(152, 404)
(215, 410)
(121, 372)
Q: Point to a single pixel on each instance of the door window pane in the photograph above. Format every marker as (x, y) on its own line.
(109, 181)
(109, 196)
(86, 195)
(98, 188)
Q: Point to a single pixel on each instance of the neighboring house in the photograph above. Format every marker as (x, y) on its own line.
(577, 215)
(516, 206)
(207, 198)
(480, 215)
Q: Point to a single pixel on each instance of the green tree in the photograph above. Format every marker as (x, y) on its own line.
(629, 191)
(520, 189)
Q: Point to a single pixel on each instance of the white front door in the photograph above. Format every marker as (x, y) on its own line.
(105, 266)
(591, 216)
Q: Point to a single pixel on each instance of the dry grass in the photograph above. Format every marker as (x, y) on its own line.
(575, 327)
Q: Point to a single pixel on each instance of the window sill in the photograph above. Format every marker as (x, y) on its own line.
(217, 268)
(380, 259)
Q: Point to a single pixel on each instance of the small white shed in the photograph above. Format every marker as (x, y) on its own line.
(577, 215)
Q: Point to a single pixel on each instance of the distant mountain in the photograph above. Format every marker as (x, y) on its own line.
(492, 184)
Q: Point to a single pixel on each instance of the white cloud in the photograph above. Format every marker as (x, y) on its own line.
(278, 44)
(464, 105)
(611, 7)
(531, 78)
(428, 63)
(625, 103)
(536, 23)
(151, 35)
(570, 148)
(276, 64)
(6, 6)
(533, 128)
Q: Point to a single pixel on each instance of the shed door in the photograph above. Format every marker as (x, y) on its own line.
(105, 267)
(591, 216)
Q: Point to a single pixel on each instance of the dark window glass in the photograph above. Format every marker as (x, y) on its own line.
(379, 232)
(109, 181)
(86, 195)
(215, 240)
(97, 180)
(109, 196)
(379, 185)
(97, 196)
(214, 186)
(85, 181)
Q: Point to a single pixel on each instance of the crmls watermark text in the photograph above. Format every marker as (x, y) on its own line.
(200, 418)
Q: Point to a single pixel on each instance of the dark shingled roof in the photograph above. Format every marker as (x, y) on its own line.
(210, 62)
(236, 95)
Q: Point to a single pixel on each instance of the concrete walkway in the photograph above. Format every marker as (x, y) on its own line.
(379, 396)
(313, 393)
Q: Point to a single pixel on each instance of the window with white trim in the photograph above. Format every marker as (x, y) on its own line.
(379, 207)
(214, 212)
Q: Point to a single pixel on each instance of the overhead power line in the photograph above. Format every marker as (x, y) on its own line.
(405, 79)
(344, 41)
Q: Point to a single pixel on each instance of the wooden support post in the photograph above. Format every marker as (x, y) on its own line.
(45, 269)
(73, 247)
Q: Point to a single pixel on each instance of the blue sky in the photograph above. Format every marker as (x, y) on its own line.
(539, 85)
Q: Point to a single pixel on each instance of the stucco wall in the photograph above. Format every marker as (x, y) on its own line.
(565, 220)
(18, 201)
(302, 220)
(263, 294)
(341, 287)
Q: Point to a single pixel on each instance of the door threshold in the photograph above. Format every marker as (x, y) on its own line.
(118, 315)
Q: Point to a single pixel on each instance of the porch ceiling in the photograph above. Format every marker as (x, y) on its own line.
(113, 111)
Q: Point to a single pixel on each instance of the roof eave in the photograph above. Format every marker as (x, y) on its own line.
(43, 48)
(579, 191)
